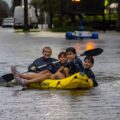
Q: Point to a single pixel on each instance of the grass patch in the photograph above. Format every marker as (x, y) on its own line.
(64, 29)
(71, 28)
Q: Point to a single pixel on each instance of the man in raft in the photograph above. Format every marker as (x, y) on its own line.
(34, 70)
(45, 59)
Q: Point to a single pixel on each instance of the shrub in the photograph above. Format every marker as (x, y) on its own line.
(57, 22)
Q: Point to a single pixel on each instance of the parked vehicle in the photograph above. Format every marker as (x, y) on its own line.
(19, 17)
(8, 22)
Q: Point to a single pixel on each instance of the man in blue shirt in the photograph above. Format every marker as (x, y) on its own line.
(46, 59)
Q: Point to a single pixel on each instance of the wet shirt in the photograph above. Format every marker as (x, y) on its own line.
(75, 66)
(57, 66)
(42, 61)
(91, 75)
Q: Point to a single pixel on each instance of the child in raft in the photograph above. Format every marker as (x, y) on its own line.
(73, 65)
(88, 64)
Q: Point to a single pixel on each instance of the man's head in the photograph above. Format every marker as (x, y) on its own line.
(47, 52)
(88, 62)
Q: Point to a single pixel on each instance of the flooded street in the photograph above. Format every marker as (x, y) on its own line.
(100, 103)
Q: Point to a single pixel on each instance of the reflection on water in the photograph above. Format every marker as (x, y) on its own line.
(98, 103)
(101, 103)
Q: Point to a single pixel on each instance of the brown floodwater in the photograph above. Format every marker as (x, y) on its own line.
(102, 102)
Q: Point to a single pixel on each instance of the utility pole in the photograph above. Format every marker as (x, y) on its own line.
(26, 25)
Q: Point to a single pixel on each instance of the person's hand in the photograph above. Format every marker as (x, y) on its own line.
(52, 76)
(33, 68)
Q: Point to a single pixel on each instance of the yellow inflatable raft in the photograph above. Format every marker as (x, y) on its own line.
(76, 81)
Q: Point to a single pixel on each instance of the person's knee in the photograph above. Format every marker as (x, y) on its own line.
(66, 69)
(47, 71)
(48, 75)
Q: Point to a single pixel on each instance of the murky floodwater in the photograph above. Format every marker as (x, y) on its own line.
(102, 102)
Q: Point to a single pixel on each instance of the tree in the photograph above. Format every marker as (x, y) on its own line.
(15, 3)
(52, 7)
(118, 12)
(4, 9)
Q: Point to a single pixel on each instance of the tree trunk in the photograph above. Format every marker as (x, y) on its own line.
(50, 16)
(118, 21)
(26, 25)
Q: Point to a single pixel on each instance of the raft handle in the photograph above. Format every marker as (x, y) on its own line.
(75, 77)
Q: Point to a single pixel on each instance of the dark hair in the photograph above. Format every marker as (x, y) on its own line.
(47, 47)
(90, 58)
(71, 49)
(61, 53)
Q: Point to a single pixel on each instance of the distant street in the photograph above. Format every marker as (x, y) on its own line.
(101, 103)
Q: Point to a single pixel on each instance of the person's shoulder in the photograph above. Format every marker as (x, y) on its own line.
(78, 60)
(54, 59)
(92, 73)
(89, 70)
(39, 59)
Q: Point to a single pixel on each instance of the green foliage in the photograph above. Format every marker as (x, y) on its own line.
(65, 29)
(52, 6)
(67, 22)
(56, 22)
(4, 10)
(36, 3)
(4, 5)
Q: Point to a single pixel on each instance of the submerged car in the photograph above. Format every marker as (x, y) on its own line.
(8, 22)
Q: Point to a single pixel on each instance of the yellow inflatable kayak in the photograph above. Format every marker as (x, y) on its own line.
(76, 81)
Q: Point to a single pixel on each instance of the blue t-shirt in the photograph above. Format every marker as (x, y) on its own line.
(75, 66)
(43, 61)
(57, 66)
(91, 75)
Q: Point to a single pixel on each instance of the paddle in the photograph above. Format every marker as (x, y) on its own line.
(93, 52)
(6, 78)
(9, 76)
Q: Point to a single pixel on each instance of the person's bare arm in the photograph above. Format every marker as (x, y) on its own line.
(61, 69)
(66, 71)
